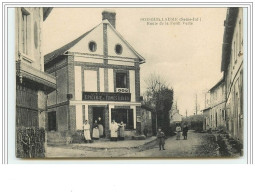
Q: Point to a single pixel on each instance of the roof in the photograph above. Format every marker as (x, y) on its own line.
(46, 12)
(58, 52)
(208, 108)
(228, 36)
(217, 84)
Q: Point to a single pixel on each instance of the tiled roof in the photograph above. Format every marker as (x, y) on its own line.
(217, 84)
(56, 53)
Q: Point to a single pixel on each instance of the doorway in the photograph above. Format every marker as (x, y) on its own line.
(52, 121)
(99, 112)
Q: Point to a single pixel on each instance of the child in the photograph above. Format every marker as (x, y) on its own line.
(161, 139)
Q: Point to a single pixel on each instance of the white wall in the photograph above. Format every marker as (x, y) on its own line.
(132, 84)
(90, 80)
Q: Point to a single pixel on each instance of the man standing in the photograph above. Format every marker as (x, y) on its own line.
(185, 131)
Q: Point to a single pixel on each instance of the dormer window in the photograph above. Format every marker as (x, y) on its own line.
(118, 49)
(92, 46)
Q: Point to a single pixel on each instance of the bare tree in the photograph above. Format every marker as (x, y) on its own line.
(159, 96)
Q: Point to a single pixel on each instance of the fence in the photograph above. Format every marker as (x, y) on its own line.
(30, 142)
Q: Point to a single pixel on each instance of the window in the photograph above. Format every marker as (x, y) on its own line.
(121, 80)
(92, 46)
(118, 49)
(24, 30)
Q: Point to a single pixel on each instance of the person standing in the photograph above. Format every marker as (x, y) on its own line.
(161, 139)
(100, 127)
(86, 129)
(122, 130)
(95, 133)
(185, 132)
(178, 131)
(114, 131)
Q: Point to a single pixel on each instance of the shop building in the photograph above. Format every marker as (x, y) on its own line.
(98, 75)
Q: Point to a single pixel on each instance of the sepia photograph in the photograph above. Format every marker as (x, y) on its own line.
(129, 83)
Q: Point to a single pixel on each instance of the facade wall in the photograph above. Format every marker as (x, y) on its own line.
(234, 82)
(98, 71)
(29, 37)
(31, 93)
(217, 103)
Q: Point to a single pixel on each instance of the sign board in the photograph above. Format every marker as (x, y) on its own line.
(106, 96)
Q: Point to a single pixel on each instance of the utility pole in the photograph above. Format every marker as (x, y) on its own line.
(196, 104)
(186, 113)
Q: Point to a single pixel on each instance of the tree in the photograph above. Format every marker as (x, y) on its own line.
(159, 96)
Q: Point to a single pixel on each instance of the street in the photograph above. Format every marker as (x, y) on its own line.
(198, 145)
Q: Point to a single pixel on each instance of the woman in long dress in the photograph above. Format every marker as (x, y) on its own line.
(122, 130)
(178, 132)
(95, 133)
(100, 127)
(114, 131)
(86, 129)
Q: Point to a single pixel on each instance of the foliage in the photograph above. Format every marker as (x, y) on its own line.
(30, 142)
(160, 97)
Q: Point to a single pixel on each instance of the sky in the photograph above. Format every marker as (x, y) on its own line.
(187, 56)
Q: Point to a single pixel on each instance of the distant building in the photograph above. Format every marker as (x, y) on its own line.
(98, 75)
(232, 67)
(175, 116)
(32, 83)
(217, 105)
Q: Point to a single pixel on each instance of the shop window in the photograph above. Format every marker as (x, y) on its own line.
(125, 115)
(92, 46)
(121, 80)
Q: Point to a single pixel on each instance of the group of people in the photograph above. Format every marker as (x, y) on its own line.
(161, 135)
(116, 130)
(183, 130)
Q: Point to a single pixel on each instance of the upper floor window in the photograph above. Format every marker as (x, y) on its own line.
(25, 30)
(92, 46)
(121, 80)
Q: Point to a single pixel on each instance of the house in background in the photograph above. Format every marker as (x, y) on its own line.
(32, 82)
(217, 105)
(98, 75)
(232, 67)
(175, 116)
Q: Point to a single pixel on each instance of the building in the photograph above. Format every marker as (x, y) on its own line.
(98, 75)
(217, 105)
(232, 67)
(206, 112)
(32, 83)
(175, 116)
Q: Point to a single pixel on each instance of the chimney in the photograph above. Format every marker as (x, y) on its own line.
(110, 16)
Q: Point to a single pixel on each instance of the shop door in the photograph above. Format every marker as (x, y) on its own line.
(98, 112)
